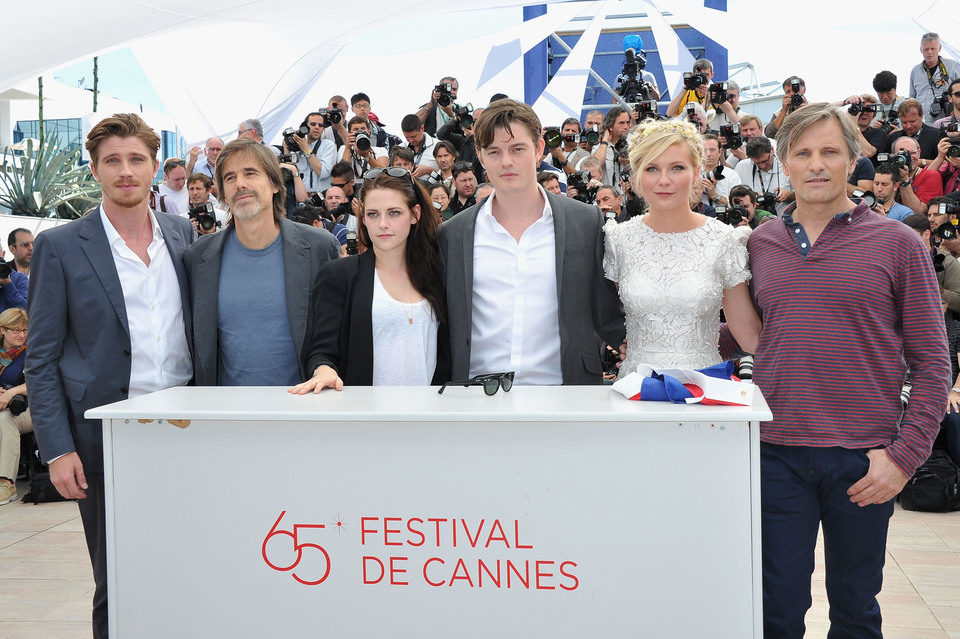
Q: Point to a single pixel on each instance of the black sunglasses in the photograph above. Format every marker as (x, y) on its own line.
(956, 94)
(491, 383)
(392, 171)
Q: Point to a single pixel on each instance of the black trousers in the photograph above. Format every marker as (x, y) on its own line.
(93, 514)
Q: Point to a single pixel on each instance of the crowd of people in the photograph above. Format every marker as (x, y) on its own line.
(347, 255)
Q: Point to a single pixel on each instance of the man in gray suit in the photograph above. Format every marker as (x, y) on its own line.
(251, 283)
(539, 298)
(109, 318)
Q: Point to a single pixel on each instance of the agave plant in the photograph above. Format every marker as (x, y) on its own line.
(46, 182)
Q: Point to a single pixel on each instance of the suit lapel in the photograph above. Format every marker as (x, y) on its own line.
(93, 241)
(205, 297)
(360, 355)
(560, 243)
(466, 247)
(296, 276)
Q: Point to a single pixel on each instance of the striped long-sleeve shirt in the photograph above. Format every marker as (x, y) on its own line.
(842, 319)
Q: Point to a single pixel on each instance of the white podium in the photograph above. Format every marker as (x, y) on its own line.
(398, 512)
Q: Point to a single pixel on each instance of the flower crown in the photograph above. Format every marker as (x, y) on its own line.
(678, 127)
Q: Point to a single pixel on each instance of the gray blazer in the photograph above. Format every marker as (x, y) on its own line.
(305, 250)
(79, 346)
(588, 304)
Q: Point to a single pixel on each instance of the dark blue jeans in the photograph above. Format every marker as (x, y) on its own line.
(802, 487)
(951, 433)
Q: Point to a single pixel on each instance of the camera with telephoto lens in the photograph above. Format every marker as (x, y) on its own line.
(693, 80)
(948, 230)
(446, 93)
(579, 181)
(352, 248)
(552, 137)
(569, 138)
(731, 133)
(464, 114)
(646, 109)
(948, 208)
(5, 270)
(205, 216)
(18, 403)
(591, 135)
(864, 197)
(331, 116)
(898, 160)
(953, 151)
(766, 201)
(362, 142)
(718, 92)
(732, 216)
(621, 149)
(796, 100)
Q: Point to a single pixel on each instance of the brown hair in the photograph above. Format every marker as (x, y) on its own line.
(798, 122)
(500, 115)
(749, 117)
(910, 103)
(267, 161)
(123, 125)
(422, 252)
(202, 178)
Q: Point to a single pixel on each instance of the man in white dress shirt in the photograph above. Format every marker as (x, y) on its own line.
(109, 319)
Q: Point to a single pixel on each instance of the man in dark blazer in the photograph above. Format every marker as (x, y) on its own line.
(251, 283)
(911, 119)
(524, 269)
(109, 318)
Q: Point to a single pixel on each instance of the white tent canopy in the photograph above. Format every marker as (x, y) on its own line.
(221, 61)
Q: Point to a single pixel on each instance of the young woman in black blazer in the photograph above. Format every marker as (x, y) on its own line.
(379, 317)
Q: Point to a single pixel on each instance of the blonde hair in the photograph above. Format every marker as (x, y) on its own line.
(651, 138)
(13, 318)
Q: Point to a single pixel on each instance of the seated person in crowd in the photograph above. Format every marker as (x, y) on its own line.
(14, 414)
(341, 175)
(763, 173)
(743, 196)
(913, 126)
(14, 289)
(296, 190)
(445, 155)
(365, 157)
(421, 143)
(953, 117)
(886, 186)
(171, 196)
(750, 127)
(917, 184)
(885, 86)
(872, 139)
(947, 162)
(314, 216)
(379, 318)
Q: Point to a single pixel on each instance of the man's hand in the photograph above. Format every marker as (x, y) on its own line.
(709, 186)
(301, 143)
(66, 473)
(558, 153)
(882, 482)
(953, 401)
(6, 396)
(194, 153)
(942, 147)
(422, 170)
(784, 195)
(290, 167)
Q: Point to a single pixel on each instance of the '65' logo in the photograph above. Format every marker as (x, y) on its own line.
(316, 564)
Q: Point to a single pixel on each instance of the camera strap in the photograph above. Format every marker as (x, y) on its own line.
(944, 77)
(314, 152)
(765, 188)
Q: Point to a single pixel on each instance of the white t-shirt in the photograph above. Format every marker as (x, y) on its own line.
(404, 340)
(180, 200)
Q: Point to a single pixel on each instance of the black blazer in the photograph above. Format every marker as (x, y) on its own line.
(928, 139)
(340, 333)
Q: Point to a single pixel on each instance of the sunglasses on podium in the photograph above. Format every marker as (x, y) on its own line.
(491, 383)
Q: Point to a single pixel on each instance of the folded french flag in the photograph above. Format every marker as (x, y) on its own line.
(712, 385)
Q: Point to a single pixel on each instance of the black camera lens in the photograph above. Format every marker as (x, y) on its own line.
(5, 270)
(362, 142)
(854, 109)
(553, 138)
(592, 135)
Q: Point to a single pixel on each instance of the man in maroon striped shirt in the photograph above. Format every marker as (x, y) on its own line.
(848, 300)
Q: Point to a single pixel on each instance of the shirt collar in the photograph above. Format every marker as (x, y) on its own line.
(855, 213)
(113, 236)
(487, 208)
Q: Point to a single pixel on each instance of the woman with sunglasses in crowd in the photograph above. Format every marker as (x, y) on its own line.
(379, 317)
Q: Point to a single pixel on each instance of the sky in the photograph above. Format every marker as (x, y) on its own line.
(120, 76)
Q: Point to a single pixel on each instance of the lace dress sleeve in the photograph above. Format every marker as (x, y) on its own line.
(734, 265)
(611, 253)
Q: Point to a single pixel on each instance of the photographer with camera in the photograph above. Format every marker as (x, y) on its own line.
(917, 184)
(584, 184)
(763, 173)
(913, 126)
(439, 110)
(401, 156)
(548, 180)
(885, 86)
(360, 105)
(568, 154)
(949, 122)
(945, 266)
(725, 97)
(635, 83)
(930, 78)
(717, 180)
(610, 201)
(743, 201)
(696, 87)
(358, 149)
(205, 212)
(14, 412)
(886, 184)
(863, 109)
(171, 195)
(334, 119)
(293, 183)
(616, 125)
(947, 162)
(317, 155)
(750, 127)
(459, 132)
(794, 89)
(14, 288)
(421, 143)
(445, 155)
(465, 188)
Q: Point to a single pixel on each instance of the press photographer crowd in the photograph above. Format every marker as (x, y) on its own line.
(357, 252)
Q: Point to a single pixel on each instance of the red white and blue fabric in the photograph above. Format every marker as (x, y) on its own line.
(651, 386)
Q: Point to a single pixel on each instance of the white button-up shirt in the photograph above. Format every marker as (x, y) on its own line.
(515, 309)
(159, 355)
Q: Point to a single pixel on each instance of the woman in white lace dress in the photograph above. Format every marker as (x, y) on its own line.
(675, 268)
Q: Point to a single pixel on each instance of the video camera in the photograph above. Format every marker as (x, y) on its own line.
(205, 216)
(731, 133)
(579, 181)
(733, 215)
(630, 85)
(445, 90)
(899, 160)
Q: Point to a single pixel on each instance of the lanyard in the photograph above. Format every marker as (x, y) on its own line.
(942, 68)
(765, 187)
(314, 152)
